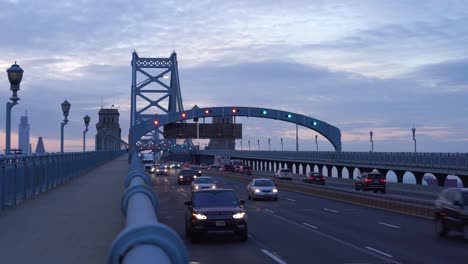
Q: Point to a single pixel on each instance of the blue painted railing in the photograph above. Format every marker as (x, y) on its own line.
(23, 177)
(144, 239)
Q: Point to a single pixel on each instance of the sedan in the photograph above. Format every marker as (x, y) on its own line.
(203, 182)
(315, 177)
(215, 212)
(161, 170)
(262, 188)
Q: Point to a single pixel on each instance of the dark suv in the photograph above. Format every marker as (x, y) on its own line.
(451, 211)
(186, 176)
(215, 212)
(371, 181)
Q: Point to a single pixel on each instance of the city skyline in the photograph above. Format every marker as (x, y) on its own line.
(385, 66)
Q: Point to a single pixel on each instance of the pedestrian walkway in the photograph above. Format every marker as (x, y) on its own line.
(73, 223)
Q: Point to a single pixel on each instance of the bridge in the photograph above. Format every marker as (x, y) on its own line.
(96, 207)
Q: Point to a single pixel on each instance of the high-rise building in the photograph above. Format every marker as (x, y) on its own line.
(108, 135)
(23, 135)
(40, 149)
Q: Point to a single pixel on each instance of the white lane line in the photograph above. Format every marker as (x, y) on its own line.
(330, 210)
(289, 199)
(266, 252)
(380, 252)
(185, 194)
(269, 211)
(311, 226)
(385, 224)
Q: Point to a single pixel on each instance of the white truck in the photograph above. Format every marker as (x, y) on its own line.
(148, 161)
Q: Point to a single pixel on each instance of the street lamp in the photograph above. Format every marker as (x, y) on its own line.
(86, 122)
(297, 137)
(15, 75)
(282, 149)
(269, 144)
(316, 142)
(258, 142)
(65, 108)
(414, 137)
(249, 144)
(372, 142)
(241, 144)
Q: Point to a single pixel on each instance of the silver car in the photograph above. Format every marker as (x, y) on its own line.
(203, 182)
(262, 188)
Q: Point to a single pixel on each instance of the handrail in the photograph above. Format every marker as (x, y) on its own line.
(23, 177)
(144, 239)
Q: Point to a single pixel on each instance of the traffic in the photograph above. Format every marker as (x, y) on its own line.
(254, 220)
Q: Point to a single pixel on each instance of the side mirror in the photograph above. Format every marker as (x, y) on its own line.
(242, 202)
(188, 203)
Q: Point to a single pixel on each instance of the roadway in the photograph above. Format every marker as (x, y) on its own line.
(299, 228)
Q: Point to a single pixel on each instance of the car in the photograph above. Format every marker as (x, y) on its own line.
(228, 168)
(197, 170)
(203, 166)
(262, 188)
(161, 170)
(314, 177)
(203, 182)
(213, 167)
(371, 181)
(246, 170)
(284, 173)
(215, 212)
(237, 168)
(451, 211)
(186, 176)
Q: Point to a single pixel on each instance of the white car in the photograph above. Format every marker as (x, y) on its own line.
(262, 188)
(283, 174)
(203, 182)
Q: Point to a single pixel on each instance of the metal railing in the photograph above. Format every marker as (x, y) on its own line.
(144, 239)
(23, 177)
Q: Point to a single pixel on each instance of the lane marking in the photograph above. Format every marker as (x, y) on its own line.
(311, 226)
(380, 252)
(389, 225)
(330, 210)
(266, 252)
(269, 211)
(289, 199)
(185, 194)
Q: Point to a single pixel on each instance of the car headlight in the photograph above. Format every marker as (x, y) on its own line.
(213, 187)
(275, 190)
(199, 216)
(196, 187)
(181, 176)
(257, 190)
(165, 170)
(238, 215)
(194, 176)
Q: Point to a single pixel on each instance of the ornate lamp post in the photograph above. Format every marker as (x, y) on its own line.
(86, 121)
(15, 75)
(372, 141)
(65, 108)
(414, 137)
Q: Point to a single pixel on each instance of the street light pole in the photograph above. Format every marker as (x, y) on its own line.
(65, 108)
(86, 121)
(15, 75)
(249, 144)
(258, 142)
(297, 137)
(282, 149)
(241, 144)
(269, 144)
(414, 137)
(372, 142)
(316, 142)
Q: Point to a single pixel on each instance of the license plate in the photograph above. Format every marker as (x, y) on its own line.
(220, 223)
(376, 180)
(317, 179)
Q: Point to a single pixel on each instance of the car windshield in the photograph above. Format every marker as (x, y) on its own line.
(264, 183)
(465, 197)
(186, 172)
(204, 180)
(195, 168)
(375, 176)
(214, 198)
(285, 170)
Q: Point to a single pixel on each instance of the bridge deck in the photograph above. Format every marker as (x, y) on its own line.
(73, 223)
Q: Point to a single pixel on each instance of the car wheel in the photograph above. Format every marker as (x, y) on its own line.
(356, 187)
(187, 231)
(248, 196)
(440, 227)
(276, 198)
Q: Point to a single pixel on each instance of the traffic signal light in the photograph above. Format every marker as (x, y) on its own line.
(235, 110)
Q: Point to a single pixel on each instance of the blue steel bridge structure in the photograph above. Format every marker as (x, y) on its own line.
(96, 207)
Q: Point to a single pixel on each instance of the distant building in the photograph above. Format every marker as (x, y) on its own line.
(23, 135)
(222, 143)
(108, 135)
(40, 146)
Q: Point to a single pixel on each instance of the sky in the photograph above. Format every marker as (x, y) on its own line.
(385, 66)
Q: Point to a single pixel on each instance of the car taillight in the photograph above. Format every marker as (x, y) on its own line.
(383, 180)
(312, 177)
(367, 180)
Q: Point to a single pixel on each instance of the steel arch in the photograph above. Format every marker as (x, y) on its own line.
(332, 133)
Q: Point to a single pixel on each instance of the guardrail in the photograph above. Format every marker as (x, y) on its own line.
(23, 177)
(144, 239)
